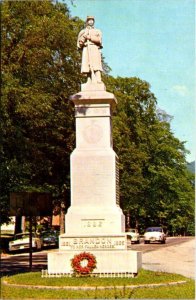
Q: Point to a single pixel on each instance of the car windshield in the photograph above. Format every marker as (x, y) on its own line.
(22, 236)
(49, 233)
(154, 229)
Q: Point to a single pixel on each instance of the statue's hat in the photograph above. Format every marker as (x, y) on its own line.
(90, 18)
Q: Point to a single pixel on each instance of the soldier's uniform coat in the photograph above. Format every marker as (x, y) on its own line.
(91, 55)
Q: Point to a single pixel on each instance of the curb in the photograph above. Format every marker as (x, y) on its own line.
(151, 285)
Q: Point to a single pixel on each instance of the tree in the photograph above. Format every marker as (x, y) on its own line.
(135, 110)
(40, 69)
(154, 182)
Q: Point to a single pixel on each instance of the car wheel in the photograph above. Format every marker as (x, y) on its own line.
(163, 242)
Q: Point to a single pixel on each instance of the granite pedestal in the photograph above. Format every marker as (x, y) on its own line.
(94, 222)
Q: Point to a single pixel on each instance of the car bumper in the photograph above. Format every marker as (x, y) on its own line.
(135, 239)
(18, 247)
(153, 239)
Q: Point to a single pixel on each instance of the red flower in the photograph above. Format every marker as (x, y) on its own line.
(83, 270)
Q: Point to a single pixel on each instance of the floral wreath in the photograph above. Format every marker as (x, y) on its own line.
(86, 269)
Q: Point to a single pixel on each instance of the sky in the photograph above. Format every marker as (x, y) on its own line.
(153, 40)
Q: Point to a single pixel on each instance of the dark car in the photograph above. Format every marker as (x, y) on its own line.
(50, 238)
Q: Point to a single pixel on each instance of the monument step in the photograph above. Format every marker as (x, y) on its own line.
(109, 261)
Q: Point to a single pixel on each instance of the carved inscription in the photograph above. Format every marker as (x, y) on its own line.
(92, 223)
(92, 111)
(90, 243)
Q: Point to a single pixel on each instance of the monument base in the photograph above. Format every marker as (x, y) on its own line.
(108, 261)
(93, 87)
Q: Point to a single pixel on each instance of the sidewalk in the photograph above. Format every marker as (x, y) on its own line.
(179, 259)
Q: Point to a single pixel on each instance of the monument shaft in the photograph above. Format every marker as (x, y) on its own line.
(94, 169)
(94, 222)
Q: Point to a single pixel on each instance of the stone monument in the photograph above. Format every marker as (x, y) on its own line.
(94, 222)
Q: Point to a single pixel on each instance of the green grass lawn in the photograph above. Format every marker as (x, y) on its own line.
(180, 291)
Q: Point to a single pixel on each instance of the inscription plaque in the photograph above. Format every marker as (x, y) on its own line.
(92, 111)
(86, 223)
(93, 243)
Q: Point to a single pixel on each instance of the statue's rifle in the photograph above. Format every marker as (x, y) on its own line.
(93, 77)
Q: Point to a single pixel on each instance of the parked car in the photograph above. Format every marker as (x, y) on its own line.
(133, 234)
(50, 238)
(154, 234)
(22, 241)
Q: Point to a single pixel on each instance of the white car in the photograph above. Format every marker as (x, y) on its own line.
(133, 234)
(154, 234)
(22, 241)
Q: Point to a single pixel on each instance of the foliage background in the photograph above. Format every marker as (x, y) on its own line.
(40, 70)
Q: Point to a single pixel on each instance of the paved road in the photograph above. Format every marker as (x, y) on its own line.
(170, 241)
(176, 256)
(14, 264)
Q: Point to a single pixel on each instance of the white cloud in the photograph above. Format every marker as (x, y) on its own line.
(181, 90)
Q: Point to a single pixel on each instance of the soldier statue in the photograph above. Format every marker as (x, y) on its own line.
(90, 42)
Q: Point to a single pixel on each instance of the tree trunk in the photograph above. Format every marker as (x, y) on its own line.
(62, 219)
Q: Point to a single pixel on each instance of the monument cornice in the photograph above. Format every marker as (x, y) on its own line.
(94, 97)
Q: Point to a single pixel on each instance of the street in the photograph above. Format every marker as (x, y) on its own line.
(170, 241)
(179, 258)
(19, 263)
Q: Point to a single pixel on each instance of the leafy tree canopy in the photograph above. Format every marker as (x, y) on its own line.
(40, 69)
(155, 184)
